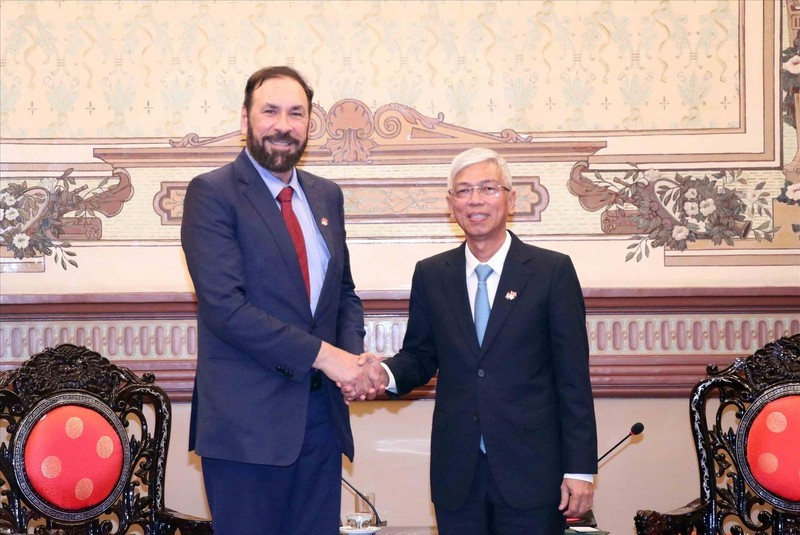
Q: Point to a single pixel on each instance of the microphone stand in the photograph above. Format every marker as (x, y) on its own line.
(613, 448)
(378, 521)
(588, 518)
(635, 430)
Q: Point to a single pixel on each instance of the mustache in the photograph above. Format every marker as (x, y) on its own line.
(281, 138)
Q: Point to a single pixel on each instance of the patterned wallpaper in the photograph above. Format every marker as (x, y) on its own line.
(637, 126)
(152, 69)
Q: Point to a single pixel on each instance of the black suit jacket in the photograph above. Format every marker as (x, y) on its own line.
(257, 338)
(526, 390)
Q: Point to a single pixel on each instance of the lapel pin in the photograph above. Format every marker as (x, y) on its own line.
(511, 295)
(324, 221)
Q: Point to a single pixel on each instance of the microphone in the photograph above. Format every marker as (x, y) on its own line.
(378, 521)
(588, 519)
(636, 428)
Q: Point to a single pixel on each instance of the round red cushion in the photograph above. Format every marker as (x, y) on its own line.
(73, 457)
(773, 447)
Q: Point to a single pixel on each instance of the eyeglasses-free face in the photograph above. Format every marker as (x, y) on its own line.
(276, 125)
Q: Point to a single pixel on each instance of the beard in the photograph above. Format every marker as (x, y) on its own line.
(275, 161)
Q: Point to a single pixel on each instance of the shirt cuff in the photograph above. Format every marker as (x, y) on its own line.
(582, 477)
(392, 386)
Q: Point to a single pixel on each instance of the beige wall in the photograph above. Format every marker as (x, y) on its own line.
(111, 89)
(656, 470)
(133, 97)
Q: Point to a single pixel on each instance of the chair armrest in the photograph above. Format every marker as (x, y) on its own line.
(170, 520)
(686, 520)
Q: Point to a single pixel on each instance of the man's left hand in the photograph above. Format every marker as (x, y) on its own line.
(576, 497)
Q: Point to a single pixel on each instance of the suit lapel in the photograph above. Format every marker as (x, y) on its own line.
(454, 283)
(321, 217)
(257, 193)
(319, 208)
(516, 275)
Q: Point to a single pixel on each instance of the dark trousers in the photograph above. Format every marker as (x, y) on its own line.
(300, 499)
(486, 513)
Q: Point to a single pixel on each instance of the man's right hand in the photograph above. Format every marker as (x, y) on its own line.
(378, 377)
(377, 374)
(354, 374)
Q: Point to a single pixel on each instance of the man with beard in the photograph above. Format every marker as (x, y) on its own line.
(279, 324)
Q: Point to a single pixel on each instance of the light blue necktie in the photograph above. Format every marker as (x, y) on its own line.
(482, 301)
(482, 310)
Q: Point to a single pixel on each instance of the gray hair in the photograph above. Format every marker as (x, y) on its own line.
(478, 155)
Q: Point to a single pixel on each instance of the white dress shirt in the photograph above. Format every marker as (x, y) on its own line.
(496, 263)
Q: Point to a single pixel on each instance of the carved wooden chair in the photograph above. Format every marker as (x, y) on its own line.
(746, 427)
(84, 449)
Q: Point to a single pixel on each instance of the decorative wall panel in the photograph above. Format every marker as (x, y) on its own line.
(641, 343)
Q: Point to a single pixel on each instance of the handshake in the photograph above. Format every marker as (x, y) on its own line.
(359, 377)
(371, 379)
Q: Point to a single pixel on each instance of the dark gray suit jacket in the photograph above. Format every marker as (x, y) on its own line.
(256, 335)
(526, 390)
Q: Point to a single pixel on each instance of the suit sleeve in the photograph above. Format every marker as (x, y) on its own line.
(417, 362)
(570, 350)
(216, 265)
(350, 321)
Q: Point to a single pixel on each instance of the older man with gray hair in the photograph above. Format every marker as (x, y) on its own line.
(514, 443)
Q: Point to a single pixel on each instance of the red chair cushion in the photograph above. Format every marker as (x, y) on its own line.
(73, 457)
(773, 447)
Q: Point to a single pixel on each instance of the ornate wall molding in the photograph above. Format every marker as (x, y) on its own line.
(350, 134)
(384, 200)
(644, 343)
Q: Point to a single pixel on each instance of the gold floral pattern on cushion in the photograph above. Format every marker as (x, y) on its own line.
(776, 422)
(84, 488)
(73, 457)
(105, 447)
(51, 467)
(768, 463)
(74, 427)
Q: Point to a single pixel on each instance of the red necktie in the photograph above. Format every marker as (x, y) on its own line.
(296, 232)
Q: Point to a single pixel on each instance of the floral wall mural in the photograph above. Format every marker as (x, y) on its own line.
(34, 218)
(673, 211)
(654, 122)
(629, 102)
